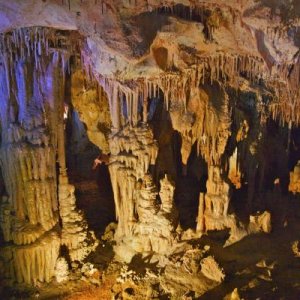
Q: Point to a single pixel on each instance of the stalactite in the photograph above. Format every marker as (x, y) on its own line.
(200, 217)
(286, 105)
(32, 263)
(32, 135)
(145, 102)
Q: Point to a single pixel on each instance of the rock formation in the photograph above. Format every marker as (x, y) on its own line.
(213, 207)
(32, 82)
(187, 100)
(133, 150)
(294, 186)
(154, 231)
(194, 272)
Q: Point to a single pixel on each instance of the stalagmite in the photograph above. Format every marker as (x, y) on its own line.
(294, 185)
(32, 130)
(75, 234)
(154, 231)
(133, 150)
(200, 217)
(216, 201)
(234, 174)
(189, 102)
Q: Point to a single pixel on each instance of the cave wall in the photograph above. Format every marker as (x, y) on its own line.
(226, 75)
(33, 68)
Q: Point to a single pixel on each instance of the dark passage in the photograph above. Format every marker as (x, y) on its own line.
(92, 186)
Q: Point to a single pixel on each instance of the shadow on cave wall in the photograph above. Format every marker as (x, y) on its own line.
(286, 10)
(188, 188)
(141, 30)
(93, 188)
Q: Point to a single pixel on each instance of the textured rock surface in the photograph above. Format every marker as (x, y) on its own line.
(154, 231)
(202, 92)
(33, 73)
(133, 150)
(193, 272)
(32, 263)
(75, 235)
(61, 270)
(294, 185)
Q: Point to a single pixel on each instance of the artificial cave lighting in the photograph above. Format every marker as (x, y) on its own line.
(150, 149)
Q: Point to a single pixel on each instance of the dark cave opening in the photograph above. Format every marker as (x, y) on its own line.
(170, 144)
(169, 161)
(93, 188)
(188, 189)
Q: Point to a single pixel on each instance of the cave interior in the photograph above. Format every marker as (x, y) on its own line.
(150, 149)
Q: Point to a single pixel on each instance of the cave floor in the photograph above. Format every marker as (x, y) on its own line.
(260, 266)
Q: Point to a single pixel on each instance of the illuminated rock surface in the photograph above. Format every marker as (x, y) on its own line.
(190, 112)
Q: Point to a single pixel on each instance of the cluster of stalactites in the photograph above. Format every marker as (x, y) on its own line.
(201, 11)
(286, 107)
(32, 89)
(30, 102)
(32, 263)
(223, 68)
(32, 60)
(209, 127)
(213, 132)
(129, 100)
(23, 43)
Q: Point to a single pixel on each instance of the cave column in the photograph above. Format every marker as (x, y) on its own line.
(61, 147)
(200, 218)
(145, 104)
(32, 99)
(29, 214)
(133, 149)
(115, 107)
(216, 201)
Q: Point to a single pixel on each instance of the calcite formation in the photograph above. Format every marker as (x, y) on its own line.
(61, 270)
(75, 234)
(234, 174)
(200, 91)
(31, 263)
(32, 85)
(294, 185)
(216, 203)
(195, 272)
(91, 104)
(133, 150)
(154, 231)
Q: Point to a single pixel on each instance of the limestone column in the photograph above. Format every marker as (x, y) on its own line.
(145, 104)
(200, 218)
